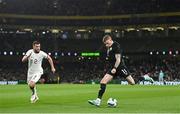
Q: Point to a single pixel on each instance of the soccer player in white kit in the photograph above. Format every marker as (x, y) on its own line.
(146, 77)
(35, 57)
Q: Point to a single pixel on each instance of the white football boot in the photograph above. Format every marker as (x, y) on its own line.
(34, 98)
(96, 102)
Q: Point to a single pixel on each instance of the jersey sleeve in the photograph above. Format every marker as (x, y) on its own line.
(45, 55)
(117, 49)
(28, 53)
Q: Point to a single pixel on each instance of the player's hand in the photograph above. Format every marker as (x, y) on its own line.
(113, 71)
(53, 70)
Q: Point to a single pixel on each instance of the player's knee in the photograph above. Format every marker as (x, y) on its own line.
(31, 84)
(132, 82)
(103, 82)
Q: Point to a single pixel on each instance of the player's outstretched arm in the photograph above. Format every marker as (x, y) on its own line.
(25, 58)
(51, 64)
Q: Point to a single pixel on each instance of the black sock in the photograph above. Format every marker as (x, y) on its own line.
(102, 90)
(33, 90)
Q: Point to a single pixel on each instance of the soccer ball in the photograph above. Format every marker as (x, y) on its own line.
(112, 102)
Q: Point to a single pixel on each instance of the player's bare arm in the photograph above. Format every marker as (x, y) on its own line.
(25, 58)
(51, 64)
(117, 63)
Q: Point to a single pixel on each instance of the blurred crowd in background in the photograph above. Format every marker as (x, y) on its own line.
(93, 70)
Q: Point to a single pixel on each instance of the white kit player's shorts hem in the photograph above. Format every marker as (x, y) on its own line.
(34, 77)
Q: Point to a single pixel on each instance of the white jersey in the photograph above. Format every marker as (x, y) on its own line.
(35, 61)
(146, 77)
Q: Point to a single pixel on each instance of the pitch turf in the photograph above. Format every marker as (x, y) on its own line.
(71, 98)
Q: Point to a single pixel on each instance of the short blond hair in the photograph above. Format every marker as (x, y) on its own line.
(106, 37)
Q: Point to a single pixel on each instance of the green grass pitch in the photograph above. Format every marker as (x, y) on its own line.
(72, 98)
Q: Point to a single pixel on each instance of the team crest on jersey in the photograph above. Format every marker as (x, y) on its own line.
(110, 49)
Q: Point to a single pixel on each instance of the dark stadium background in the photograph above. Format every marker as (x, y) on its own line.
(148, 31)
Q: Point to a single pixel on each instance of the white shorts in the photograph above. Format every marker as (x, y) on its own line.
(34, 77)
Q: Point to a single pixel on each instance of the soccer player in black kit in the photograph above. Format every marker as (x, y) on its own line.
(117, 67)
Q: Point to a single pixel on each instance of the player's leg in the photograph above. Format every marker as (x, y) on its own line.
(103, 83)
(32, 84)
(151, 80)
(34, 96)
(147, 78)
(161, 80)
(125, 73)
(130, 80)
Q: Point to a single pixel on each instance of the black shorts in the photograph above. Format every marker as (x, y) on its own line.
(121, 71)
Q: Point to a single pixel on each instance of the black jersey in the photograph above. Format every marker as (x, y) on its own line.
(112, 51)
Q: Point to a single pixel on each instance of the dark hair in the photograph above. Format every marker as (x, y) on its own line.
(35, 42)
(106, 37)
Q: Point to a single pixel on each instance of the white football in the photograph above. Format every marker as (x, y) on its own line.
(112, 102)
